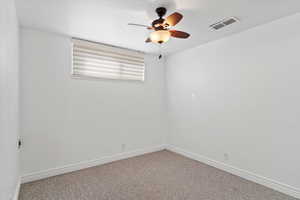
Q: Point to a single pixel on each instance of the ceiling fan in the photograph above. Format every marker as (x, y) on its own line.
(162, 27)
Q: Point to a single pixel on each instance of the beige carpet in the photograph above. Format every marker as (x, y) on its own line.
(157, 176)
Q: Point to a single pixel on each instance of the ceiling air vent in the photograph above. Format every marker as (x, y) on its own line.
(223, 23)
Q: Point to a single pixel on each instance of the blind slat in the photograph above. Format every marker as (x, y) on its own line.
(100, 70)
(108, 75)
(102, 61)
(97, 67)
(107, 53)
(105, 57)
(109, 62)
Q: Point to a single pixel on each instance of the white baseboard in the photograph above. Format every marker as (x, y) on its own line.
(86, 164)
(281, 187)
(17, 190)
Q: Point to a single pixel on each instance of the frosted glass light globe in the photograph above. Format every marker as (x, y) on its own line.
(160, 36)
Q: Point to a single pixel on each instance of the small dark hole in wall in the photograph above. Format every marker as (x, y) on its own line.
(19, 143)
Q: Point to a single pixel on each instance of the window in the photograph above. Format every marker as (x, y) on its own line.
(96, 60)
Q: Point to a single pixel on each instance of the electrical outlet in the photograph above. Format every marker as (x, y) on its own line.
(226, 156)
(194, 95)
(123, 147)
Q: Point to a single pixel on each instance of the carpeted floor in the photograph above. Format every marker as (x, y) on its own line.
(157, 176)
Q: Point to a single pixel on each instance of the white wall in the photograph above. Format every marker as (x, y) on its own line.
(9, 45)
(240, 96)
(66, 121)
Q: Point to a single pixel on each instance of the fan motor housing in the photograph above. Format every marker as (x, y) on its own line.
(161, 11)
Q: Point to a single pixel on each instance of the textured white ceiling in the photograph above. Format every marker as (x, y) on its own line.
(106, 20)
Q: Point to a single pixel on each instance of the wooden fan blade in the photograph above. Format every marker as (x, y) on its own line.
(173, 19)
(141, 25)
(179, 34)
(148, 40)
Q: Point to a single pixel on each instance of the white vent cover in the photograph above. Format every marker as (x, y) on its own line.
(223, 23)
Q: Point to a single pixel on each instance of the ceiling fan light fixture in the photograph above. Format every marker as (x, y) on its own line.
(162, 27)
(160, 36)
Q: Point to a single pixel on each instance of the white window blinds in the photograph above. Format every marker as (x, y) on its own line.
(102, 61)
